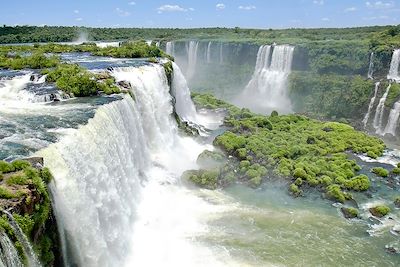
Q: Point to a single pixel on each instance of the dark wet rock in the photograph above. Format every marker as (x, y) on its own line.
(397, 202)
(32, 78)
(37, 162)
(124, 84)
(349, 213)
(327, 129)
(391, 250)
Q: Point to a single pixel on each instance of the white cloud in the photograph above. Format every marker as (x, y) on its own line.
(318, 2)
(173, 8)
(251, 7)
(76, 11)
(220, 6)
(79, 19)
(325, 19)
(132, 3)
(122, 13)
(376, 17)
(350, 9)
(380, 4)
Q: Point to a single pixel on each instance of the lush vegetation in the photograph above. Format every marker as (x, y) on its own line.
(23, 191)
(37, 60)
(330, 95)
(380, 210)
(77, 81)
(308, 153)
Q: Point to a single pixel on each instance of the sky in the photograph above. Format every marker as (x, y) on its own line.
(200, 13)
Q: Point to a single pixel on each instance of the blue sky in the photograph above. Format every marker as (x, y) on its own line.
(201, 13)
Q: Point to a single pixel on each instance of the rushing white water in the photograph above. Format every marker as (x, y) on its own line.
(393, 120)
(371, 66)
(23, 240)
(170, 48)
(378, 119)
(371, 105)
(192, 59)
(107, 44)
(184, 105)
(8, 254)
(267, 89)
(208, 53)
(12, 93)
(394, 66)
(117, 189)
(221, 53)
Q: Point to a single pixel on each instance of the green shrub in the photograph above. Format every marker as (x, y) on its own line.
(20, 164)
(335, 193)
(17, 180)
(380, 210)
(380, 171)
(6, 167)
(294, 190)
(358, 183)
(349, 212)
(396, 171)
(5, 193)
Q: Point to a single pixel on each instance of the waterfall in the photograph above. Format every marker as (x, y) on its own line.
(184, 105)
(394, 66)
(192, 59)
(97, 178)
(267, 89)
(107, 44)
(208, 54)
(116, 181)
(221, 54)
(8, 254)
(170, 48)
(371, 105)
(393, 120)
(378, 119)
(12, 93)
(371, 66)
(23, 240)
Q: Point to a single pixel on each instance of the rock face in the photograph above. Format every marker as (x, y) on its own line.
(36, 162)
(349, 213)
(124, 84)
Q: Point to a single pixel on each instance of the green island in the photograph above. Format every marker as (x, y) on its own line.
(305, 152)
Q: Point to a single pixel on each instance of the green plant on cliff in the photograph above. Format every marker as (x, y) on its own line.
(24, 191)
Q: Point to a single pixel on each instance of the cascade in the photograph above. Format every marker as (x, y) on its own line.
(371, 66)
(221, 53)
(11, 90)
(115, 177)
(371, 105)
(208, 54)
(107, 44)
(379, 112)
(23, 240)
(394, 66)
(170, 48)
(393, 120)
(266, 90)
(8, 254)
(192, 59)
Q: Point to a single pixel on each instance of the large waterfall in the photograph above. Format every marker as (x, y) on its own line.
(394, 66)
(267, 89)
(378, 119)
(371, 105)
(192, 58)
(116, 188)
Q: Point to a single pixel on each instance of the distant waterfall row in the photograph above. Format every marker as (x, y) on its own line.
(381, 113)
(209, 53)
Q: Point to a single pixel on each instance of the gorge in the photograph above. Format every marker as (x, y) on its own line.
(277, 163)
